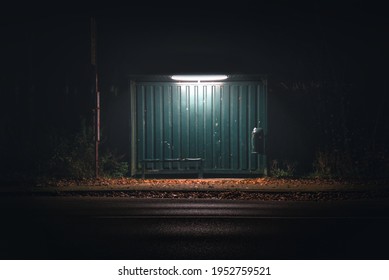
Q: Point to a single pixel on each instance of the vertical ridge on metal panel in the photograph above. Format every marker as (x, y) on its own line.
(244, 131)
(213, 126)
(258, 106)
(176, 124)
(133, 125)
(158, 128)
(141, 123)
(184, 122)
(192, 122)
(252, 123)
(201, 121)
(264, 116)
(217, 113)
(149, 123)
(170, 110)
(225, 124)
(234, 127)
(208, 128)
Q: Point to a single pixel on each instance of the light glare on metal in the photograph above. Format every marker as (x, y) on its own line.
(199, 78)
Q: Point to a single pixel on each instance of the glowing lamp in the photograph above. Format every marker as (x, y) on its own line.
(199, 78)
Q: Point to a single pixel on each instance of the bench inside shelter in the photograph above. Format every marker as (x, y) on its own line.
(183, 165)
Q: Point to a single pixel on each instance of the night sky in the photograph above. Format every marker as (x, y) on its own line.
(292, 40)
(313, 53)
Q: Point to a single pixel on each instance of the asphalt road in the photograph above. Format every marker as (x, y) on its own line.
(123, 228)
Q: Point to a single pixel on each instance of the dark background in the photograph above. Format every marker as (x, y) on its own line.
(326, 65)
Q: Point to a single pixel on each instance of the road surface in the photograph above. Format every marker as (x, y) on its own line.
(124, 228)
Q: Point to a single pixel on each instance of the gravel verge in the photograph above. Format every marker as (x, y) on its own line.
(234, 195)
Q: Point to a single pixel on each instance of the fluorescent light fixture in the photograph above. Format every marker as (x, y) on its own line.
(199, 78)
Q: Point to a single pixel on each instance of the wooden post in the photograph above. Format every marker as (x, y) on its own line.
(97, 104)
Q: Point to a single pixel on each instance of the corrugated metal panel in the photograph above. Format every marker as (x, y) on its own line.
(212, 121)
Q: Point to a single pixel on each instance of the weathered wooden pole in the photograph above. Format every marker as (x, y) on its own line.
(97, 103)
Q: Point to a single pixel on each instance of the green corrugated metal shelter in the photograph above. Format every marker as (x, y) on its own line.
(174, 122)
